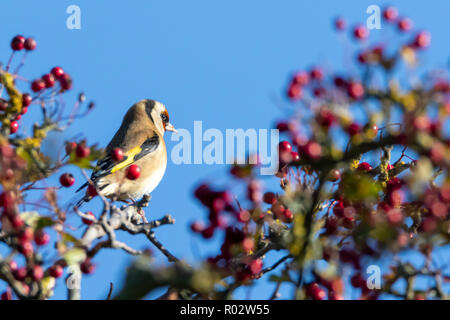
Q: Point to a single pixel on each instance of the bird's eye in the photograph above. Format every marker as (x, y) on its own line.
(164, 117)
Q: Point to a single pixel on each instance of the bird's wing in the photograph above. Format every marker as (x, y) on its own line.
(107, 165)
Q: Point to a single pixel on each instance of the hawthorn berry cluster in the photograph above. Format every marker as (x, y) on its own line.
(353, 189)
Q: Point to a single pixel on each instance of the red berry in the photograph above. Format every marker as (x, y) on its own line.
(67, 180)
(13, 127)
(208, 232)
(355, 90)
(270, 198)
(70, 146)
(313, 150)
(7, 295)
(12, 265)
(87, 267)
(117, 154)
(340, 24)
(41, 238)
(24, 110)
(49, 80)
(248, 245)
(315, 292)
(26, 234)
(243, 216)
(20, 274)
(256, 266)
(91, 190)
(57, 72)
(133, 172)
(26, 100)
(56, 271)
(87, 221)
(353, 129)
(197, 227)
(295, 157)
(37, 273)
(82, 151)
(364, 166)
(284, 146)
(360, 32)
(316, 74)
(294, 91)
(3, 105)
(357, 281)
(17, 222)
(37, 85)
(287, 215)
(17, 43)
(65, 81)
(30, 44)
(422, 40)
(334, 175)
(301, 78)
(26, 248)
(282, 126)
(405, 24)
(390, 14)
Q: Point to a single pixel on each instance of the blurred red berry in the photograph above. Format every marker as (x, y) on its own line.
(91, 190)
(340, 24)
(284, 146)
(37, 273)
(334, 175)
(197, 227)
(26, 99)
(49, 80)
(24, 110)
(37, 85)
(67, 180)
(7, 295)
(301, 78)
(65, 81)
(30, 44)
(390, 14)
(56, 271)
(57, 72)
(422, 40)
(117, 154)
(20, 274)
(294, 91)
(26, 234)
(353, 129)
(256, 266)
(295, 157)
(355, 90)
(357, 281)
(17, 43)
(312, 150)
(360, 32)
(316, 74)
(26, 248)
(82, 151)
(87, 221)
(41, 237)
(405, 24)
(364, 166)
(315, 292)
(70, 146)
(270, 198)
(87, 267)
(208, 232)
(243, 216)
(13, 127)
(133, 172)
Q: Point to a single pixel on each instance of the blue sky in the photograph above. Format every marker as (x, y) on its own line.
(224, 64)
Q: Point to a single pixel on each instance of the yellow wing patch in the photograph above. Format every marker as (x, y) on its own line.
(130, 159)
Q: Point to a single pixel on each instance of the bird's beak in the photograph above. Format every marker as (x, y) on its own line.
(170, 127)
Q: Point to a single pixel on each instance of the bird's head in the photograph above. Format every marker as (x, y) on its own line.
(158, 114)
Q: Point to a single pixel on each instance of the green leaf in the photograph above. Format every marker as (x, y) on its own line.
(67, 237)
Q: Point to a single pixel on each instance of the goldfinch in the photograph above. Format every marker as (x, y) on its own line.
(140, 137)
